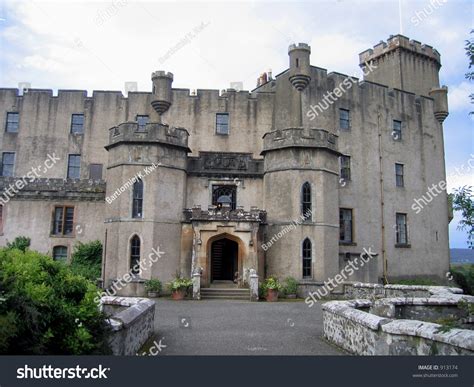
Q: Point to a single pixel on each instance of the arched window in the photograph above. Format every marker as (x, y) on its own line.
(135, 254)
(306, 201)
(60, 253)
(137, 200)
(307, 258)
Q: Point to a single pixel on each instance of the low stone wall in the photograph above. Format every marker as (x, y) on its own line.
(348, 325)
(369, 290)
(132, 321)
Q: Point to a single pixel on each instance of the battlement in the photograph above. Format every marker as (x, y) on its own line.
(299, 46)
(128, 132)
(399, 42)
(299, 138)
(161, 74)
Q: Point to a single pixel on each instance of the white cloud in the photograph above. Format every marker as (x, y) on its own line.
(458, 97)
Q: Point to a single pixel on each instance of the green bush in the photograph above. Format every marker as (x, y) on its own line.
(271, 283)
(20, 243)
(291, 285)
(180, 284)
(46, 309)
(463, 275)
(86, 260)
(153, 285)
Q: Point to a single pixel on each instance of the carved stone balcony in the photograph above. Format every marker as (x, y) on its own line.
(225, 213)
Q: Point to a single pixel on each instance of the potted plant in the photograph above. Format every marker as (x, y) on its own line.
(291, 287)
(272, 286)
(153, 287)
(179, 287)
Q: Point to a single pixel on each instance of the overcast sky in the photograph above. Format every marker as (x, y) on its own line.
(101, 45)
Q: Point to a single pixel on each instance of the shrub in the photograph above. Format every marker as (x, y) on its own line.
(46, 309)
(291, 285)
(463, 275)
(86, 260)
(180, 284)
(153, 285)
(20, 243)
(271, 283)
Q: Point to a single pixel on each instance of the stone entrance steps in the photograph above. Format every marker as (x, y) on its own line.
(225, 294)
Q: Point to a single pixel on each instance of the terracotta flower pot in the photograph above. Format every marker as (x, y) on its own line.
(178, 294)
(272, 295)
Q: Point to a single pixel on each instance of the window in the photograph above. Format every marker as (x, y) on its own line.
(95, 171)
(306, 201)
(397, 130)
(8, 163)
(399, 175)
(63, 220)
(344, 119)
(222, 123)
(307, 258)
(224, 194)
(402, 229)
(345, 225)
(60, 253)
(135, 255)
(13, 120)
(142, 120)
(77, 123)
(345, 164)
(137, 200)
(74, 167)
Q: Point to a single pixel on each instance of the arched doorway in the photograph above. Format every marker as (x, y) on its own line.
(224, 259)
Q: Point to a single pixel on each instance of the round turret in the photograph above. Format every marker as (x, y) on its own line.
(300, 70)
(162, 82)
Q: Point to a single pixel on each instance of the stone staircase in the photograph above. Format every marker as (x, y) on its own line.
(224, 291)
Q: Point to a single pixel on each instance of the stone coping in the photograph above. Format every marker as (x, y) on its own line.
(348, 309)
(135, 307)
(428, 288)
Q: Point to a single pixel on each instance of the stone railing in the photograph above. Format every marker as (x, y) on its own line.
(225, 214)
(132, 321)
(300, 138)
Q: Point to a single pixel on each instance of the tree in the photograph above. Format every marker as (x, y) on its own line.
(20, 243)
(469, 47)
(463, 201)
(86, 260)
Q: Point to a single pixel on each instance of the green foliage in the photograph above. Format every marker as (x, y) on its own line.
(291, 285)
(415, 281)
(180, 284)
(447, 323)
(20, 243)
(463, 200)
(272, 283)
(46, 309)
(463, 275)
(153, 285)
(469, 47)
(86, 260)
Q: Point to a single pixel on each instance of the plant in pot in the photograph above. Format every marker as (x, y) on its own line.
(272, 286)
(291, 287)
(153, 287)
(179, 287)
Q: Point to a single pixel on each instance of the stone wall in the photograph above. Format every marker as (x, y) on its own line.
(370, 290)
(363, 333)
(132, 325)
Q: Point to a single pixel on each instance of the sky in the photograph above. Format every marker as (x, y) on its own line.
(102, 45)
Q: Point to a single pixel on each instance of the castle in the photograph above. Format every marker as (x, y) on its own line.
(295, 178)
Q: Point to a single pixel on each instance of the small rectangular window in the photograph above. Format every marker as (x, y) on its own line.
(60, 253)
(13, 120)
(63, 220)
(8, 164)
(397, 130)
(95, 171)
(142, 120)
(222, 123)
(344, 119)
(399, 175)
(345, 225)
(74, 167)
(345, 165)
(401, 229)
(77, 123)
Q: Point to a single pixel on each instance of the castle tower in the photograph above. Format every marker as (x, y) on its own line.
(146, 185)
(300, 70)
(162, 82)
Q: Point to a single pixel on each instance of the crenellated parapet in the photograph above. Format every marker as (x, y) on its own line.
(214, 213)
(128, 132)
(299, 138)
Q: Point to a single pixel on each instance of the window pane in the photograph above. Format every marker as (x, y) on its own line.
(345, 230)
(397, 130)
(74, 167)
(77, 123)
(142, 121)
(345, 167)
(344, 119)
(60, 253)
(306, 201)
(95, 171)
(12, 122)
(69, 221)
(8, 163)
(58, 221)
(222, 123)
(399, 175)
(137, 201)
(307, 258)
(402, 235)
(219, 191)
(135, 254)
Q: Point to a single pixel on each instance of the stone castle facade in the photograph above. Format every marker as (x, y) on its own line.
(295, 178)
